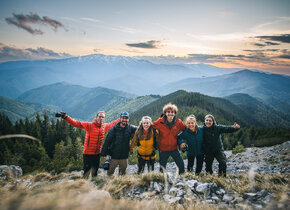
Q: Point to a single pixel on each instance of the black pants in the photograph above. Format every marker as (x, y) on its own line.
(222, 160)
(91, 162)
(199, 163)
(163, 158)
(142, 162)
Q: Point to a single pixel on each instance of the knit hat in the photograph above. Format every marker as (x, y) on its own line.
(210, 116)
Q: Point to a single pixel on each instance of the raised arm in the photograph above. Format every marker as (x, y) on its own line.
(108, 126)
(77, 124)
(228, 129)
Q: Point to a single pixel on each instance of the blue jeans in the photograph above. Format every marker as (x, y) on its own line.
(163, 158)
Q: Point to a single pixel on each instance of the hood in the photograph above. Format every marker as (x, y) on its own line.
(213, 119)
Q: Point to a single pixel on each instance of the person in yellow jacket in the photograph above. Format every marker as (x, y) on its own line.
(145, 139)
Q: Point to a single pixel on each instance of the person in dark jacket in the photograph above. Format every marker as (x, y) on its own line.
(193, 137)
(117, 144)
(169, 126)
(95, 132)
(212, 143)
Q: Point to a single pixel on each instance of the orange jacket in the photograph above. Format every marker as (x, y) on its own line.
(94, 134)
(167, 139)
(146, 147)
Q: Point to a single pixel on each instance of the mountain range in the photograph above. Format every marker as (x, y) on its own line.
(83, 103)
(83, 85)
(115, 72)
(273, 89)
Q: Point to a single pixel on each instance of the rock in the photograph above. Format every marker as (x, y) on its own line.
(157, 187)
(228, 198)
(180, 193)
(215, 198)
(180, 184)
(192, 184)
(173, 191)
(170, 178)
(202, 188)
(220, 192)
(12, 171)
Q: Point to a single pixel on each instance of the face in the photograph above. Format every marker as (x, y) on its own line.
(170, 114)
(101, 118)
(146, 124)
(124, 121)
(191, 124)
(208, 122)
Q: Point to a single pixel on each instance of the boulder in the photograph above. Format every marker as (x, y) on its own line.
(8, 172)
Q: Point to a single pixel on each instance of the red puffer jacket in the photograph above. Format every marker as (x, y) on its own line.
(94, 134)
(167, 139)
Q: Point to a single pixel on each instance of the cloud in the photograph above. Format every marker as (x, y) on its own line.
(152, 44)
(8, 53)
(265, 44)
(284, 38)
(24, 21)
(267, 56)
(90, 20)
(97, 50)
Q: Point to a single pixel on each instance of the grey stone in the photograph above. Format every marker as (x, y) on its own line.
(220, 192)
(157, 187)
(215, 198)
(179, 184)
(192, 184)
(180, 193)
(170, 178)
(227, 198)
(173, 191)
(202, 188)
(11, 171)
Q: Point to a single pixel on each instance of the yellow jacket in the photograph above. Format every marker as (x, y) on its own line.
(146, 147)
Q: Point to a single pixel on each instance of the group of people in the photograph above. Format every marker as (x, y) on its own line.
(167, 135)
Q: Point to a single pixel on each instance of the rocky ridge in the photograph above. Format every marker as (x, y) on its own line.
(255, 163)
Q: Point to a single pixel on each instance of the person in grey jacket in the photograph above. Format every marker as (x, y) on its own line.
(212, 143)
(191, 140)
(117, 144)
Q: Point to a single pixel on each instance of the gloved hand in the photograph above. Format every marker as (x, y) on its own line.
(63, 115)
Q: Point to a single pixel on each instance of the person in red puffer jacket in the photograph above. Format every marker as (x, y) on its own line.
(169, 126)
(95, 132)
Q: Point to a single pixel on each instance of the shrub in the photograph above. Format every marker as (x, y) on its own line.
(239, 148)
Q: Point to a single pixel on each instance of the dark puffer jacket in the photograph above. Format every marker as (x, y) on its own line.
(117, 143)
(193, 140)
(212, 141)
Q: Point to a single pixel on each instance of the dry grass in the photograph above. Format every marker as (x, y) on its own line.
(154, 176)
(68, 191)
(79, 194)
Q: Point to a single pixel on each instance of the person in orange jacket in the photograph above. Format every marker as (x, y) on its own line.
(95, 132)
(145, 138)
(169, 126)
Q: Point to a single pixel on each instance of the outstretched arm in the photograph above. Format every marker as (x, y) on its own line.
(228, 129)
(108, 126)
(75, 123)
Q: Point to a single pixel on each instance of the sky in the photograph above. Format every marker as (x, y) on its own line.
(251, 34)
